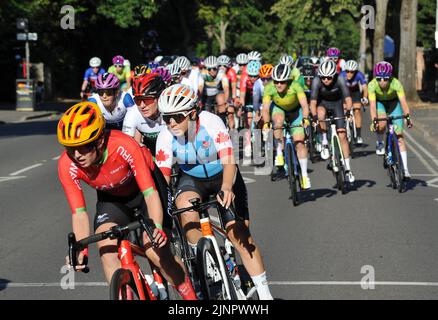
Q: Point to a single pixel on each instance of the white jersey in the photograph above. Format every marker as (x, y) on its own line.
(149, 128)
(114, 119)
(192, 80)
(213, 86)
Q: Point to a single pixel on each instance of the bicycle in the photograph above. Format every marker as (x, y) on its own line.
(128, 282)
(337, 161)
(293, 169)
(392, 160)
(219, 280)
(351, 132)
(312, 140)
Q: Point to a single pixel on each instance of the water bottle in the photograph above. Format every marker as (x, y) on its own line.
(152, 285)
(232, 268)
(161, 289)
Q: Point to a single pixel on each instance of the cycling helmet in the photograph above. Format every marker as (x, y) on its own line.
(266, 71)
(164, 74)
(127, 63)
(242, 58)
(314, 61)
(223, 60)
(383, 69)
(351, 65)
(327, 69)
(153, 65)
(281, 72)
(95, 62)
(148, 85)
(333, 52)
(141, 69)
(81, 124)
(183, 63)
(177, 98)
(158, 59)
(286, 59)
(107, 81)
(118, 60)
(211, 62)
(254, 55)
(174, 70)
(308, 71)
(253, 68)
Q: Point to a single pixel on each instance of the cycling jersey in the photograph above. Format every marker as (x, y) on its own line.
(125, 75)
(124, 170)
(288, 101)
(257, 94)
(338, 90)
(149, 128)
(395, 91)
(91, 77)
(213, 86)
(353, 84)
(192, 80)
(239, 75)
(295, 74)
(247, 85)
(231, 75)
(199, 157)
(114, 119)
(340, 66)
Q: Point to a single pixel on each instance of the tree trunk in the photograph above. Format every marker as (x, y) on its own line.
(222, 37)
(379, 32)
(363, 49)
(408, 43)
(179, 7)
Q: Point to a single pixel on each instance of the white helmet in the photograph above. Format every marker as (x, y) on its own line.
(95, 62)
(126, 63)
(177, 98)
(211, 62)
(281, 72)
(158, 59)
(254, 55)
(223, 60)
(242, 58)
(183, 63)
(286, 59)
(351, 65)
(173, 69)
(327, 69)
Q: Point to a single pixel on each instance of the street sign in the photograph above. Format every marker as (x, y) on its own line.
(32, 36)
(21, 36)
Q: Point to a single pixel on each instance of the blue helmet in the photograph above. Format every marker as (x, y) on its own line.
(253, 68)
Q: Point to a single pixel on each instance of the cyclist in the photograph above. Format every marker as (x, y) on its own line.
(308, 76)
(242, 61)
(123, 174)
(144, 122)
(328, 93)
(356, 82)
(112, 102)
(295, 73)
(387, 96)
(246, 100)
(164, 74)
(314, 62)
(224, 63)
(122, 72)
(190, 76)
(215, 88)
(175, 73)
(333, 54)
(201, 146)
(290, 104)
(91, 75)
(265, 76)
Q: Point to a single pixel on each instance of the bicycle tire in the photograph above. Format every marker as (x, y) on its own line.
(311, 143)
(207, 259)
(350, 137)
(291, 178)
(340, 174)
(398, 166)
(121, 282)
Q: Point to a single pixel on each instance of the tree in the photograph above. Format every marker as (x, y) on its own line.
(127, 13)
(379, 32)
(408, 41)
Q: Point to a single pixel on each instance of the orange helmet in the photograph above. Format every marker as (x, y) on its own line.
(81, 124)
(266, 71)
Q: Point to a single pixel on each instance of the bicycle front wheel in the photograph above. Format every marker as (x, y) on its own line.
(398, 167)
(123, 287)
(213, 284)
(340, 183)
(292, 179)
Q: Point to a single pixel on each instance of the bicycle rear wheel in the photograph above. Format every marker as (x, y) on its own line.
(123, 287)
(340, 174)
(350, 137)
(211, 279)
(292, 179)
(311, 143)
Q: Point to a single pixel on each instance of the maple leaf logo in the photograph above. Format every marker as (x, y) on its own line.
(222, 137)
(161, 156)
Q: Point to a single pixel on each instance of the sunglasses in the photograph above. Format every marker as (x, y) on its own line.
(118, 65)
(147, 100)
(266, 79)
(326, 78)
(279, 82)
(379, 79)
(108, 92)
(82, 149)
(177, 117)
(253, 77)
(348, 71)
(242, 65)
(210, 69)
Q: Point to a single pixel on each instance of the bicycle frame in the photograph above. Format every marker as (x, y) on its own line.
(334, 135)
(390, 137)
(288, 141)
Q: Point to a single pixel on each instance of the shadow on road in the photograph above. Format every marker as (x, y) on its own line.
(4, 284)
(313, 195)
(413, 183)
(362, 154)
(361, 183)
(28, 128)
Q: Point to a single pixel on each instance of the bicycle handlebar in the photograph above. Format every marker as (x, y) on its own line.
(389, 118)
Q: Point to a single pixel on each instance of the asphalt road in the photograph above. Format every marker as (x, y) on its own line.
(326, 248)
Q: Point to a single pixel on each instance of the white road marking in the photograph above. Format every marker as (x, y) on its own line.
(50, 284)
(3, 179)
(25, 169)
(351, 283)
(423, 175)
(421, 158)
(423, 149)
(431, 183)
(56, 158)
(248, 180)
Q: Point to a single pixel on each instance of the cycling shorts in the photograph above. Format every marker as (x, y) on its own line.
(211, 186)
(393, 109)
(336, 108)
(295, 118)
